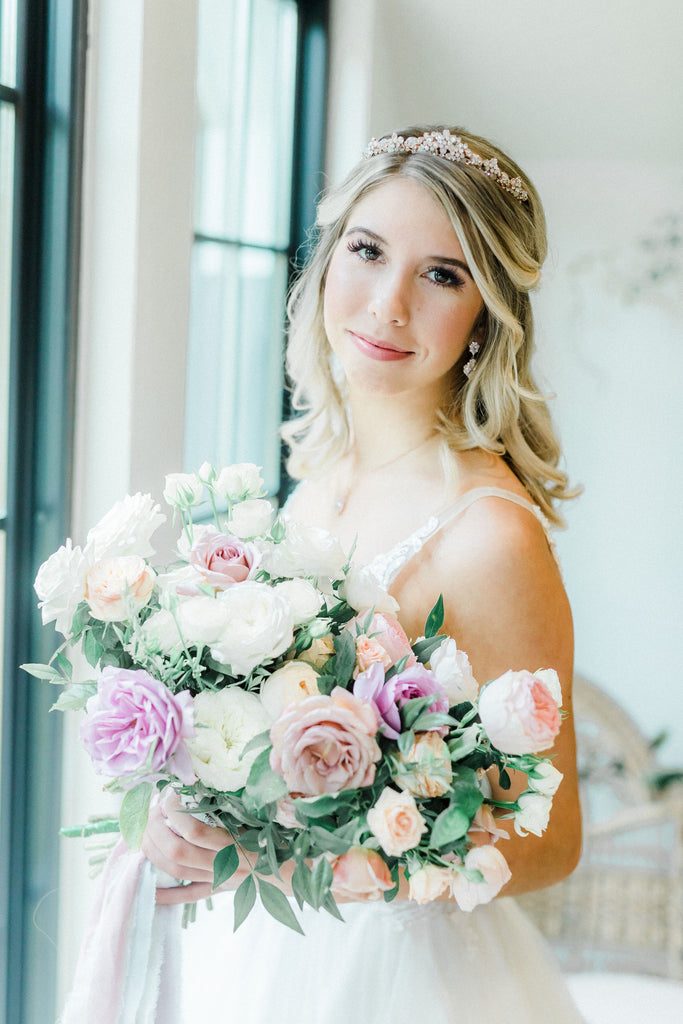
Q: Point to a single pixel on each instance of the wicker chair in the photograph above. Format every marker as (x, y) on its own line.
(622, 909)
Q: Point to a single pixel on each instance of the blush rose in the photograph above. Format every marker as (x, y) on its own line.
(360, 873)
(223, 559)
(518, 713)
(396, 822)
(117, 587)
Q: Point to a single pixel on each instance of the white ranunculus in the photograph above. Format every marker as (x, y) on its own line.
(251, 518)
(183, 490)
(126, 529)
(305, 551)
(202, 620)
(533, 813)
(452, 669)
(239, 482)
(493, 866)
(545, 779)
(292, 683)
(259, 627)
(361, 590)
(60, 586)
(225, 721)
(550, 678)
(305, 601)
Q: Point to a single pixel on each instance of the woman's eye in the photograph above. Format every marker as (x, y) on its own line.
(366, 250)
(445, 278)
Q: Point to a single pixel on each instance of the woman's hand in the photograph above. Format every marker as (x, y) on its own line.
(184, 847)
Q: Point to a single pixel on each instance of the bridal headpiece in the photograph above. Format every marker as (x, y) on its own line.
(450, 147)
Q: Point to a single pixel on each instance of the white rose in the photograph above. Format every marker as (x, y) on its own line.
(118, 587)
(305, 601)
(290, 684)
(193, 535)
(184, 580)
(493, 866)
(452, 669)
(361, 590)
(251, 518)
(60, 586)
(206, 473)
(305, 551)
(160, 632)
(239, 482)
(183, 490)
(550, 678)
(545, 779)
(533, 813)
(126, 529)
(225, 720)
(259, 627)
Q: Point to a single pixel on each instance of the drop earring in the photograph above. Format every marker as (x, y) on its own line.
(468, 368)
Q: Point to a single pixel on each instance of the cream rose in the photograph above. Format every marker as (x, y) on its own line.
(429, 882)
(118, 587)
(288, 685)
(452, 669)
(183, 490)
(305, 551)
(396, 822)
(320, 650)
(259, 627)
(60, 586)
(251, 518)
(426, 769)
(126, 529)
(493, 866)
(545, 779)
(225, 720)
(532, 814)
(239, 482)
(305, 600)
(361, 590)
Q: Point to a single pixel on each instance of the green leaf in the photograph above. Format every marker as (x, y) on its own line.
(134, 813)
(277, 905)
(329, 904)
(302, 884)
(321, 806)
(264, 786)
(271, 854)
(412, 709)
(434, 619)
(321, 880)
(74, 697)
(423, 649)
(64, 665)
(328, 842)
(256, 742)
(451, 824)
(46, 672)
(405, 742)
(92, 648)
(432, 720)
(225, 864)
(345, 657)
(245, 895)
(464, 744)
(326, 684)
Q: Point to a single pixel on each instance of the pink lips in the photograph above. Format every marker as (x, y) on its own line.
(380, 350)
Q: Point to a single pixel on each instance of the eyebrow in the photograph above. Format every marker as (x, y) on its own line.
(436, 259)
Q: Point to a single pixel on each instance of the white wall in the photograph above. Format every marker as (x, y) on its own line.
(587, 97)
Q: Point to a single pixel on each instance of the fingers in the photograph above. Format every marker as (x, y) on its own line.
(180, 857)
(183, 823)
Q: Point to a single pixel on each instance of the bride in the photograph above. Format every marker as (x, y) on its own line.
(422, 438)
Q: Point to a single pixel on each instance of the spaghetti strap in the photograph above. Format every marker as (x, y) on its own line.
(386, 567)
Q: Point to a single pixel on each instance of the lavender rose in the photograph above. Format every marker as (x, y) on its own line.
(135, 728)
(326, 744)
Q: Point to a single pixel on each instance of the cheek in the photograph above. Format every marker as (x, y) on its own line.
(338, 296)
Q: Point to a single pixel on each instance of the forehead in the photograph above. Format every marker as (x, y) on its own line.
(403, 210)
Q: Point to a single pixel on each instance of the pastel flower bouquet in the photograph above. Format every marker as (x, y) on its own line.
(267, 680)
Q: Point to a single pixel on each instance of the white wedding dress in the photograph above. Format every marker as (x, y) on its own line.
(393, 963)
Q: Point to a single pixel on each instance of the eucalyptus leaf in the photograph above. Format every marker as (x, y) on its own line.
(434, 619)
(225, 865)
(277, 905)
(74, 697)
(134, 813)
(245, 896)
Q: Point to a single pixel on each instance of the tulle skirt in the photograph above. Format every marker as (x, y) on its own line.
(397, 962)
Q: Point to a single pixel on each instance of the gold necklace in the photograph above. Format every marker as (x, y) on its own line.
(340, 503)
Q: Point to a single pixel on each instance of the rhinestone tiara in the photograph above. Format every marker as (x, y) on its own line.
(450, 147)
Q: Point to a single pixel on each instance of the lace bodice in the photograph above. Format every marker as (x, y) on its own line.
(386, 566)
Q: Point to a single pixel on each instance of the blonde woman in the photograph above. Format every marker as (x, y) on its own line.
(421, 437)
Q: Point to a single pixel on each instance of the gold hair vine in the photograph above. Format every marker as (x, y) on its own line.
(450, 147)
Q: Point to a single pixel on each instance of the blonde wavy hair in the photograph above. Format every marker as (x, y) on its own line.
(498, 408)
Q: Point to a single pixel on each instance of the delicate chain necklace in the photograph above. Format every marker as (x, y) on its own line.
(340, 503)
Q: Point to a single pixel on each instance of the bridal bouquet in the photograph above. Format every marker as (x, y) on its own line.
(267, 680)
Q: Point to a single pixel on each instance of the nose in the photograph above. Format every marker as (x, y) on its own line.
(389, 300)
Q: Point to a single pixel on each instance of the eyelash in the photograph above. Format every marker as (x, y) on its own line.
(360, 245)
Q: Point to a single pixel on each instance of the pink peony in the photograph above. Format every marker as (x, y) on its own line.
(518, 713)
(325, 744)
(224, 560)
(135, 728)
(360, 873)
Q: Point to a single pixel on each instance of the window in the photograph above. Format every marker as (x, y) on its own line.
(261, 93)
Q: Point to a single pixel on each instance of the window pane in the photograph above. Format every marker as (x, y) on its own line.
(6, 207)
(245, 89)
(8, 43)
(234, 375)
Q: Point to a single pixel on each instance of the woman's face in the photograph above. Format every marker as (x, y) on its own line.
(400, 303)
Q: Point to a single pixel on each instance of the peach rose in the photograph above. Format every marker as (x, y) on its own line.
(388, 633)
(493, 866)
(360, 872)
(396, 822)
(429, 882)
(325, 744)
(426, 769)
(484, 829)
(518, 713)
(117, 587)
(288, 685)
(368, 652)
